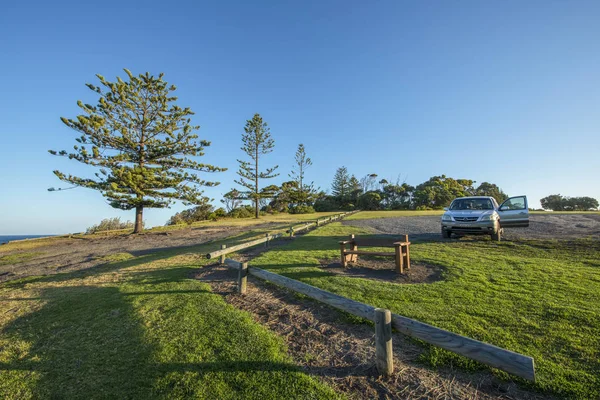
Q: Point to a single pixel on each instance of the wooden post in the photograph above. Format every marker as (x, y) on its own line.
(407, 253)
(343, 254)
(242, 278)
(267, 242)
(399, 266)
(383, 341)
(354, 257)
(222, 260)
(291, 232)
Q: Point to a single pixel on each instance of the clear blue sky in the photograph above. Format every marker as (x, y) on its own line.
(504, 91)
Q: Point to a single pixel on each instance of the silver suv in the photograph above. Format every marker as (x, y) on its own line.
(481, 215)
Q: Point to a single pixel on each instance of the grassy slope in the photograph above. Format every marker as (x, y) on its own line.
(138, 328)
(280, 221)
(392, 214)
(540, 298)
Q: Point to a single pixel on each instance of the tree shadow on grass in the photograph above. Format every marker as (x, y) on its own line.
(91, 342)
(84, 342)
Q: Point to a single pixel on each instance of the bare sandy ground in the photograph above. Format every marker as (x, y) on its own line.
(83, 252)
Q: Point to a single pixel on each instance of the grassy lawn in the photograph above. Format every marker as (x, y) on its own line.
(539, 298)
(139, 328)
(392, 214)
(282, 219)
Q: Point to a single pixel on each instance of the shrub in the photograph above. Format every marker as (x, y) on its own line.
(369, 201)
(220, 212)
(301, 209)
(241, 212)
(110, 224)
(326, 203)
(199, 213)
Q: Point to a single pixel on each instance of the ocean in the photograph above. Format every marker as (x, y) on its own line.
(8, 238)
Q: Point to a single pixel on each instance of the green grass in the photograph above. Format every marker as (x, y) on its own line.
(392, 214)
(17, 258)
(139, 328)
(539, 298)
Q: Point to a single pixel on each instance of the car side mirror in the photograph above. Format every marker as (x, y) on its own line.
(445, 208)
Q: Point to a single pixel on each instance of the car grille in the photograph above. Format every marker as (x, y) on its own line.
(466, 219)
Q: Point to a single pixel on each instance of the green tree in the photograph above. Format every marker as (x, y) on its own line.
(305, 193)
(439, 191)
(141, 142)
(584, 203)
(396, 196)
(340, 188)
(368, 182)
(554, 202)
(491, 189)
(369, 201)
(256, 141)
(232, 200)
(355, 189)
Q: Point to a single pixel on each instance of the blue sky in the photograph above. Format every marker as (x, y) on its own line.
(505, 91)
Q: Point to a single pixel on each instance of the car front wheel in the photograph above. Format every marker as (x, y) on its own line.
(446, 234)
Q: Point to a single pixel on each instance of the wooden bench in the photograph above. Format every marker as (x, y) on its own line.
(401, 250)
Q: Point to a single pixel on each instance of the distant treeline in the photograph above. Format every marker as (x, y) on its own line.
(347, 193)
(556, 202)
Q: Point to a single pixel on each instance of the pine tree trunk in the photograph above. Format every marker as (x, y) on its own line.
(139, 219)
(256, 186)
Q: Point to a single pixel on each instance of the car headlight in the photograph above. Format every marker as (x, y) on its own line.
(446, 217)
(488, 217)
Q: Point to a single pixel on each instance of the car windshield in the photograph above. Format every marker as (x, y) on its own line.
(472, 204)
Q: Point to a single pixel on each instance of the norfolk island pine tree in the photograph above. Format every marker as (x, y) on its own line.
(141, 142)
(256, 141)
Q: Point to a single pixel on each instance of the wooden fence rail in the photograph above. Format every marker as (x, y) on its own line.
(224, 250)
(506, 360)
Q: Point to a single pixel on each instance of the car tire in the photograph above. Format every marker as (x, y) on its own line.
(446, 234)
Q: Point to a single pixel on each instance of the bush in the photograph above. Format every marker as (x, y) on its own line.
(220, 212)
(326, 203)
(110, 224)
(369, 201)
(301, 209)
(241, 212)
(199, 213)
(423, 208)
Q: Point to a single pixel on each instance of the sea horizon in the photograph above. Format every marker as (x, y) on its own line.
(10, 238)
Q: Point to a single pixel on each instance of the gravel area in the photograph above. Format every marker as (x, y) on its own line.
(559, 226)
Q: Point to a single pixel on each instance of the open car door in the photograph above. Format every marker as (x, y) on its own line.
(514, 213)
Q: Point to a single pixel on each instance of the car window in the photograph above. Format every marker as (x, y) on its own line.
(516, 203)
(472, 204)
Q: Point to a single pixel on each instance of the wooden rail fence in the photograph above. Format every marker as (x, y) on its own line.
(506, 360)
(224, 250)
